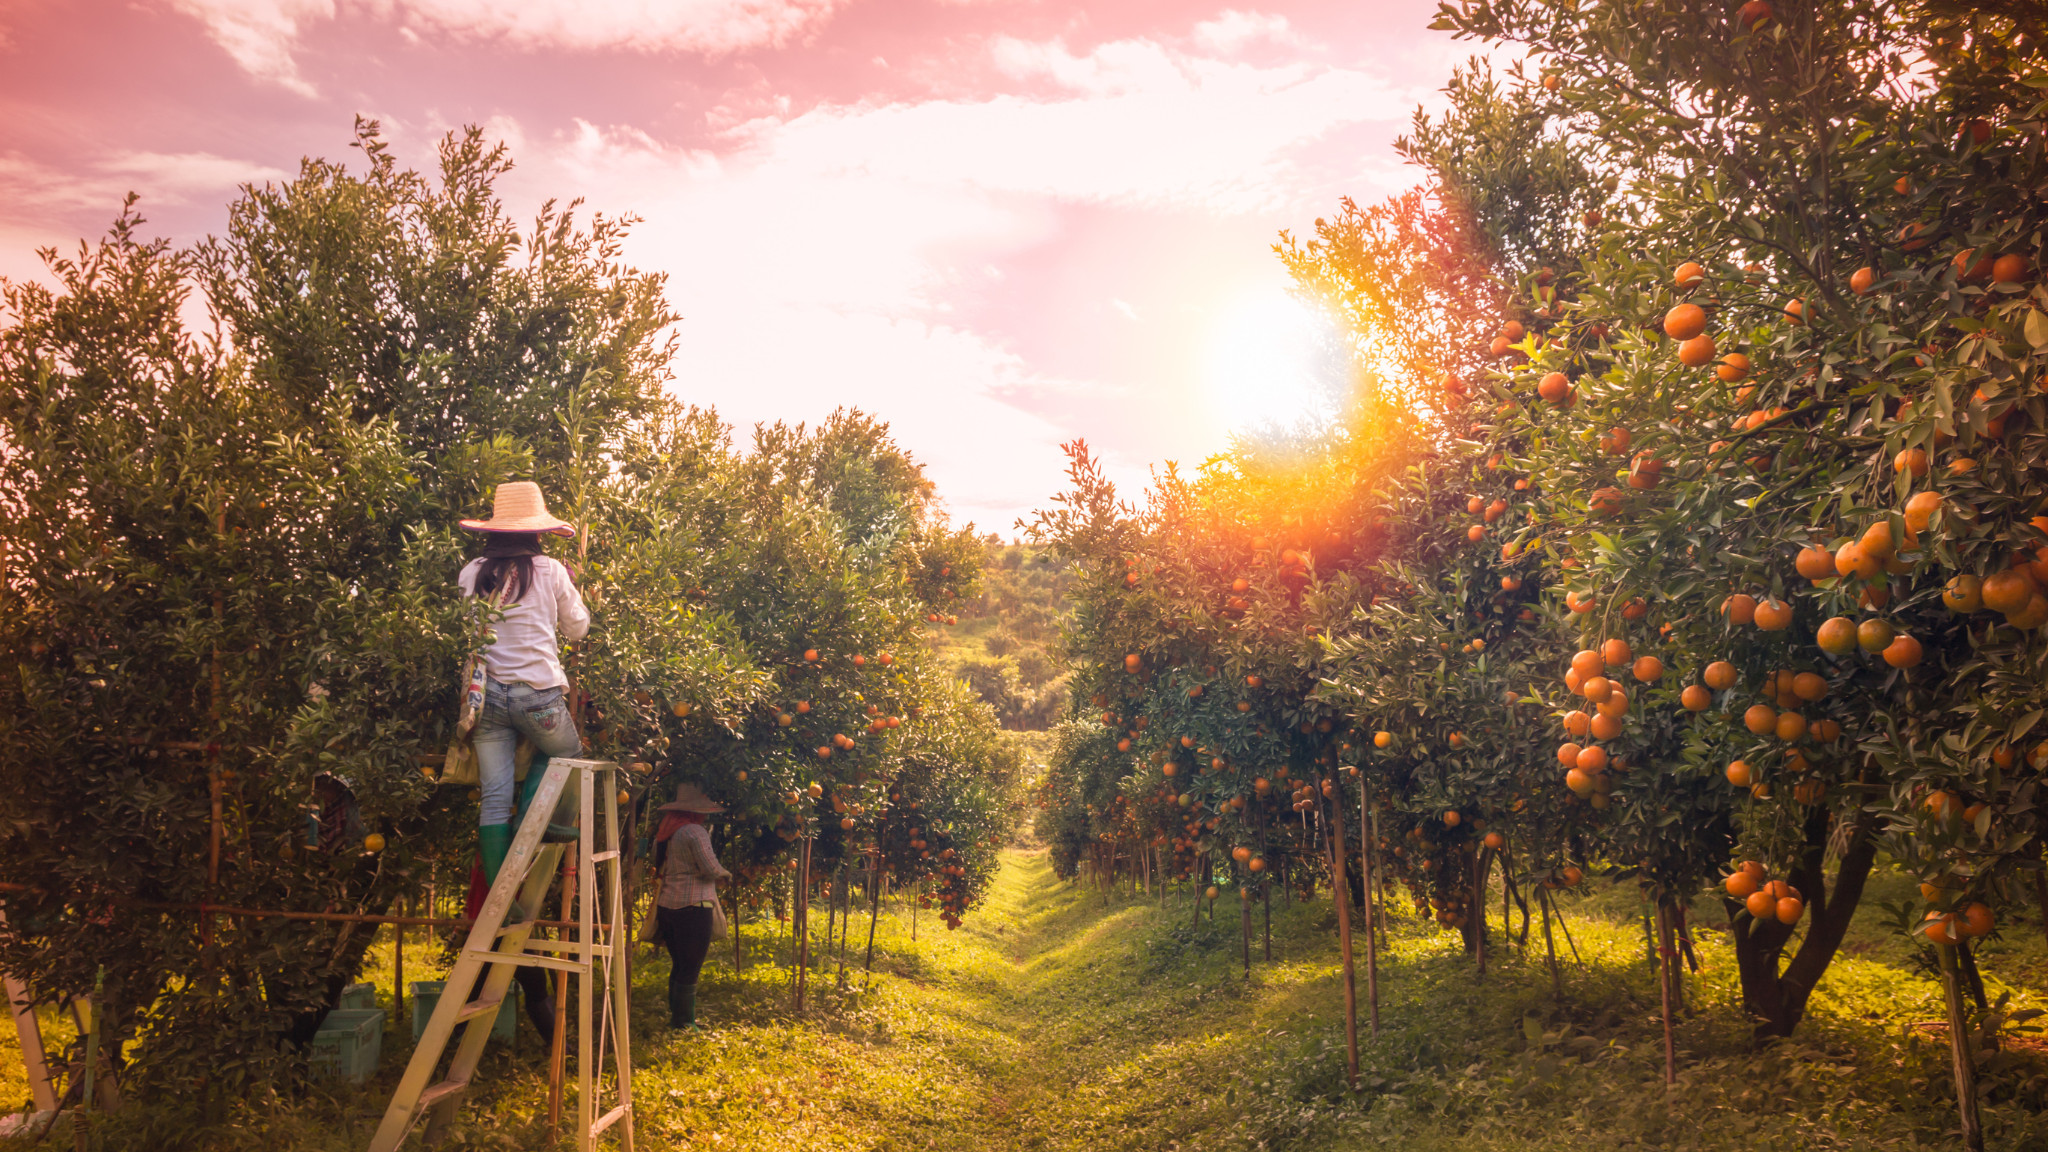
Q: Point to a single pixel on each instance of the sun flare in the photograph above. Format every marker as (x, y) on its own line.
(1268, 362)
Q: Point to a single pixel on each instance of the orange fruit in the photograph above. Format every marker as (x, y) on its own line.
(1976, 920)
(1739, 608)
(1568, 754)
(1940, 928)
(1815, 563)
(1761, 905)
(1789, 910)
(1554, 388)
(2032, 616)
(1685, 322)
(1740, 774)
(1734, 367)
(1577, 723)
(2008, 591)
(1587, 662)
(1475, 533)
(1615, 651)
(1874, 635)
(1604, 727)
(1877, 541)
(1696, 698)
(1616, 703)
(1697, 352)
(1861, 280)
(1592, 758)
(1495, 841)
(2007, 269)
(1720, 675)
(1689, 276)
(1579, 782)
(1648, 669)
(1382, 739)
(1773, 615)
(1761, 719)
(1809, 686)
(1795, 312)
(1912, 460)
(1452, 819)
(1920, 510)
(1739, 885)
(1852, 559)
(1903, 652)
(1791, 726)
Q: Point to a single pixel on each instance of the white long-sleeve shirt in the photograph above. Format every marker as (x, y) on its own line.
(526, 648)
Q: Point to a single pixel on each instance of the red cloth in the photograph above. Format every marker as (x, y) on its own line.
(478, 890)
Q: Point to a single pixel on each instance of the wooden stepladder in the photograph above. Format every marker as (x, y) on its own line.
(570, 792)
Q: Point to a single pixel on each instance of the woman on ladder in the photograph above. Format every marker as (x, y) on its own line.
(687, 906)
(526, 691)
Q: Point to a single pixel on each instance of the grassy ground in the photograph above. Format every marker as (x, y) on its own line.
(1063, 1019)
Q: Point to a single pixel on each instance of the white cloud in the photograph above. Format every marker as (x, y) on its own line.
(38, 192)
(1232, 31)
(827, 257)
(262, 35)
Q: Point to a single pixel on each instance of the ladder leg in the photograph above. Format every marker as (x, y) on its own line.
(586, 930)
(621, 973)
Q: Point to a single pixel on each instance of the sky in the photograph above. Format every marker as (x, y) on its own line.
(1000, 225)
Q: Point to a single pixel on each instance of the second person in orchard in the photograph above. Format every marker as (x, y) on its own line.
(526, 691)
(687, 907)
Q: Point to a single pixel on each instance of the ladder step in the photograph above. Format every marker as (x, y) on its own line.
(475, 1008)
(436, 1093)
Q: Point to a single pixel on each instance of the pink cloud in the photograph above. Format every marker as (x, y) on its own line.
(262, 36)
(1031, 223)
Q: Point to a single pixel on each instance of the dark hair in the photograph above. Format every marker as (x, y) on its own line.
(508, 565)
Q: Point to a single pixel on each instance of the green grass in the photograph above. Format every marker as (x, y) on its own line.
(1061, 1018)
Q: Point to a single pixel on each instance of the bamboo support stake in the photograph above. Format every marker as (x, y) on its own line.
(1341, 894)
(1481, 861)
(800, 921)
(1965, 1066)
(881, 881)
(1372, 951)
(1665, 977)
(1549, 944)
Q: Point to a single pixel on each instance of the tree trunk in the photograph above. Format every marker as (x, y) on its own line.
(1777, 999)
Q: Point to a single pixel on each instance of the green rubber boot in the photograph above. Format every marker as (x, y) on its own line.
(494, 841)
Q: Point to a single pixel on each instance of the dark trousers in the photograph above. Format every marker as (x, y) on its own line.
(687, 934)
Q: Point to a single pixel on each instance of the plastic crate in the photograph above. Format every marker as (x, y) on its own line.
(349, 1044)
(426, 996)
(358, 996)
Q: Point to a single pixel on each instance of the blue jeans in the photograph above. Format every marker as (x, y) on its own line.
(510, 711)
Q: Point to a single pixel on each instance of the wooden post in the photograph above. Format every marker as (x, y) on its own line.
(1959, 1048)
(874, 914)
(1244, 904)
(1549, 944)
(1372, 951)
(398, 970)
(558, 1049)
(1481, 859)
(800, 923)
(33, 1056)
(1341, 893)
(1665, 977)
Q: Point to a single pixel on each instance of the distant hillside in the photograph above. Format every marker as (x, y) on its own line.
(1007, 642)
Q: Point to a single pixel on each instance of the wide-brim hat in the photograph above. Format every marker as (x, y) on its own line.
(690, 798)
(517, 506)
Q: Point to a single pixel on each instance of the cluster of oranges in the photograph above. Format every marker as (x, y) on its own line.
(1587, 764)
(1762, 897)
(1967, 919)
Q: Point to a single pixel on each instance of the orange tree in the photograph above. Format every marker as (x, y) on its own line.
(230, 568)
(1802, 323)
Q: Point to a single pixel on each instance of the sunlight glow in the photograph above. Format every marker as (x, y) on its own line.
(1268, 363)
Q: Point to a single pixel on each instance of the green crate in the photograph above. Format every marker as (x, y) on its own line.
(358, 996)
(426, 995)
(349, 1044)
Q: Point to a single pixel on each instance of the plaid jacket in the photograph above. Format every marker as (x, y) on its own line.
(692, 871)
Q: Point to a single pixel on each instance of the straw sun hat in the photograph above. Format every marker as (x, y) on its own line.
(690, 798)
(517, 506)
